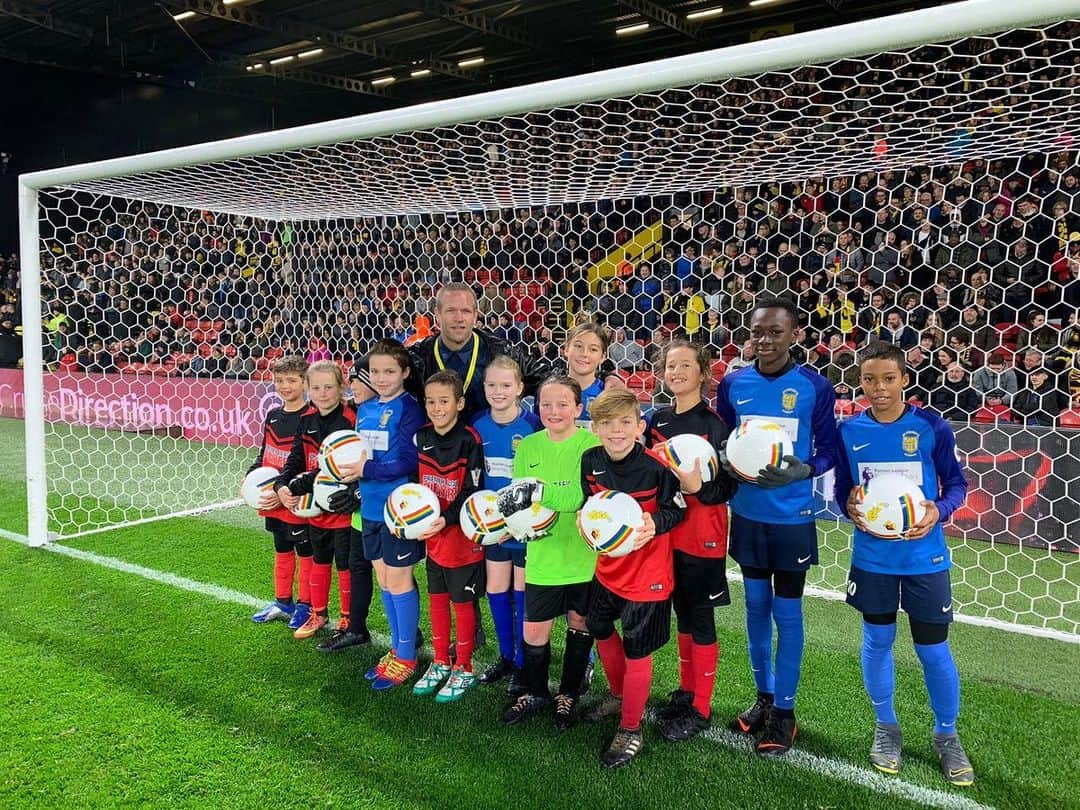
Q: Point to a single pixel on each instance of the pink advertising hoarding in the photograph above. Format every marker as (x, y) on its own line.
(219, 411)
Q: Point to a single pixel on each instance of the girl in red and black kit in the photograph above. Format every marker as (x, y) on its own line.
(329, 532)
(700, 540)
(290, 532)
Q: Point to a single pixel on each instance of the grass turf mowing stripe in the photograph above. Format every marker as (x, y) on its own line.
(828, 767)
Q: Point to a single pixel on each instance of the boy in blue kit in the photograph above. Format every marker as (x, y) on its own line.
(501, 428)
(773, 534)
(912, 573)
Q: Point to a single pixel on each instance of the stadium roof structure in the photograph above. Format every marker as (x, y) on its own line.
(368, 56)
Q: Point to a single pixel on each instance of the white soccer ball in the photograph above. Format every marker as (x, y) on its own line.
(755, 444)
(342, 447)
(608, 522)
(306, 507)
(325, 486)
(891, 504)
(260, 481)
(481, 520)
(411, 510)
(531, 523)
(683, 450)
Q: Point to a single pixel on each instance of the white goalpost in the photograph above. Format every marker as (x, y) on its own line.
(169, 280)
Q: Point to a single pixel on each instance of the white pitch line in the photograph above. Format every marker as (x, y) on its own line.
(843, 771)
(836, 769)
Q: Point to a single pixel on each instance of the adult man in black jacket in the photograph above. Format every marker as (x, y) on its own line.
(460, 346)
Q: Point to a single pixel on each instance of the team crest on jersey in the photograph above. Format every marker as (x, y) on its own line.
(788, 399)
(514, 442)
(910, 442)
(384, 420)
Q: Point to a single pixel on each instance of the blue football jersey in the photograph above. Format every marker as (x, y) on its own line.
(500, 444)
(391, 428)
(802, 402)
(920, 446)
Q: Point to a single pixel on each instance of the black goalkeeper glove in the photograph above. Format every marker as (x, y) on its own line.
(345, 501)
(721, 456)
(519, 495)
(301, 485)
(772, 476)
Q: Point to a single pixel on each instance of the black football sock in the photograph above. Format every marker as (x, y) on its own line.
(575, 660)
(537, 666)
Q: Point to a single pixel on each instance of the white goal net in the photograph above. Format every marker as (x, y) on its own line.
(926, 193)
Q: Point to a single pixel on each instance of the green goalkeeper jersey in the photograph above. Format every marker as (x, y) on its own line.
(561, 557)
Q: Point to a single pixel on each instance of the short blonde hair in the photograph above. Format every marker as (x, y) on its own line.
(327, 367)
(613, 403)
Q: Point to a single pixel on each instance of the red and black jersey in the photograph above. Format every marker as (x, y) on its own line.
(451, 464)
(279, 430)
(645, 575)
(704, 533)
(303, 460)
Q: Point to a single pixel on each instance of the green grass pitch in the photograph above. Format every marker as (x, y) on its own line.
(116, 690)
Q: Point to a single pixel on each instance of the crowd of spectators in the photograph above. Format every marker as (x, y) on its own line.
(971, 266)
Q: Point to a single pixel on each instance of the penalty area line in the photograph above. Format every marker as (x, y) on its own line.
(828, 767)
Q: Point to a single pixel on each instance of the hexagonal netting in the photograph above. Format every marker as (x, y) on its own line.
(929, 197)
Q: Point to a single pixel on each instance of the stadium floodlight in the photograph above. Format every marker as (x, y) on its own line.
(705, 13)
(620, 159)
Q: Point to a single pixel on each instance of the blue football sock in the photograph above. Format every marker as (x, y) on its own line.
(787, 613)
(391, 617)
(519, 629)
(759, 631)
(502, 616)
(943, 684)
(878, 673)
(407, 606)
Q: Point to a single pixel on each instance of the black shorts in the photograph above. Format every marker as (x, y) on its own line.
(464, 584)
(773, 546)
(924, 597)
(699, 581)
(646, 626)
(289, 536)
(546, 602)
(499, 553)
(331, 545)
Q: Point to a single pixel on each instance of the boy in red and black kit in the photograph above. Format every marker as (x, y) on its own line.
(451, 457)
(329, 532)
(700, 540)
(291, 543)
(634, 590)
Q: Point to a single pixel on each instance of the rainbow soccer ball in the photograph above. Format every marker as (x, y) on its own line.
(481, 520)
(307, 507)
(260, 481)
(325, 486)
(608, 521)
(891, 504)
(755, 444)
(411, 510)
(342, 447)
(683, 450)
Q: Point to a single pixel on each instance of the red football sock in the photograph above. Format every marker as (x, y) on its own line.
(303, 585)
(440, 626)
(320, 586)
(613, 657)
(465, 618)
(344, 586)
(636, 691)
(284, 569)
(705, 658)
(686, 662)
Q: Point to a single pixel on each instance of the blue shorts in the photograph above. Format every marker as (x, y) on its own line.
(500, 553)
(773, 546)
(924, 597)
(380, 544)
